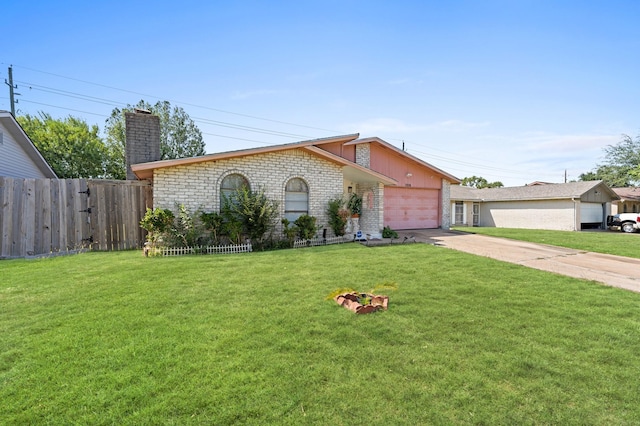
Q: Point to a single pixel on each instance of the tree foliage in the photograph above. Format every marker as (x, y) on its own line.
(72, 148)
(622, 164)
(179, 135)
(480, 182)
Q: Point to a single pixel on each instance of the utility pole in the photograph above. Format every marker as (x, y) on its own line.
(11, 93)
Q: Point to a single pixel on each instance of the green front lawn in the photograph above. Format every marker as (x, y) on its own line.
(609, 242)
(116, 338)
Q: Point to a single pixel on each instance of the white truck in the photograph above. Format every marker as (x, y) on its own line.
(627, 222)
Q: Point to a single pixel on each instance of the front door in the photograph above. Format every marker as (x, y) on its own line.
(476, 214)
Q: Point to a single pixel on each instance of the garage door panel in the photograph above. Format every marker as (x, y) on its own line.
(410, 208)
(591, 212)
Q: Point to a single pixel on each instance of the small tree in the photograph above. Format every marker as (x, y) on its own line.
(255, 213)
(289, 231)
(157, 223)
(306, 226)
(213, 222)
(186, 230)
(338, 216)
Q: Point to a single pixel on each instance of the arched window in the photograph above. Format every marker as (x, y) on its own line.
(230, 184)
(296, 199)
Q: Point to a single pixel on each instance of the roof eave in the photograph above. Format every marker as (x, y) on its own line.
(145, 170)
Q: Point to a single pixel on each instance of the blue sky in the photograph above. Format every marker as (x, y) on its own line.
(513, 91)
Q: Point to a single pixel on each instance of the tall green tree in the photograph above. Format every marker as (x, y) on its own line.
(72, 147)
(179, 135)
(480, 182)
(622, 164)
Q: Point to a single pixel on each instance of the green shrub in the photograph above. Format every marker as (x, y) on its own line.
(249, 212)
(157, 223)
(338, 216)
(186, 230)
(214, 223)
(306, 226)
(389, 233)
(289, 231)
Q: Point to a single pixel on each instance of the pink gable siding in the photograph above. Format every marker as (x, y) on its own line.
(405, 171)
(338, 148)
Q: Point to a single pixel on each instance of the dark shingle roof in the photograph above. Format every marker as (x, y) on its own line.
(553, 191)
(630, 193)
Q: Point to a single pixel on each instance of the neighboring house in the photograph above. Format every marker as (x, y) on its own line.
(629, 201)
(558, 206)
(398, 189)
(19, 158)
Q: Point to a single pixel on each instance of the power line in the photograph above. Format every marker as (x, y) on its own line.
(178, 102)
(225, 124)
(68, 109)
(104, 101)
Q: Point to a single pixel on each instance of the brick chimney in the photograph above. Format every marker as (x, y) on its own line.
(142, 139)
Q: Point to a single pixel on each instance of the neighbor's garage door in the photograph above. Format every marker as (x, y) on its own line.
(591, 213)
(411, 208)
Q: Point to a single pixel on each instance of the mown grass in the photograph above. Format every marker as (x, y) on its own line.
(609, 242)
(116, 338)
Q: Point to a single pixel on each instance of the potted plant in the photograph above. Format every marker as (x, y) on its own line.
(354, 205)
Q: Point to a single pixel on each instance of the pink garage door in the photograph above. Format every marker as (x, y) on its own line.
(411, 208)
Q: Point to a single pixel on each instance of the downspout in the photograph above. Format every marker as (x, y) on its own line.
(575, 215)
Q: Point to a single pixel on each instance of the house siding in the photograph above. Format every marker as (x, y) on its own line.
(14, 162)
(197, 186)
(408, 173)
(558, 215)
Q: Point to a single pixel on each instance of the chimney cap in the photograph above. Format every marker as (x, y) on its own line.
(141, 111)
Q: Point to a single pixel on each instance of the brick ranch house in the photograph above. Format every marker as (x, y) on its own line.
(398, 189)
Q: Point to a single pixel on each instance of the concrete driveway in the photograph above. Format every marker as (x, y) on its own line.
(615, 271)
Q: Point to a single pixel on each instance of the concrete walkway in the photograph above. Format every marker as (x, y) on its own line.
(615, 271)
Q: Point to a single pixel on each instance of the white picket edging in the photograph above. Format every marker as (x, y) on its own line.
(236, 248)
(319, 242)
(180, 251)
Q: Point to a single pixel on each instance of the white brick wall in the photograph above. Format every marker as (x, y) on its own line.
(540, 214)
(372, 218)
(446, 204)
(363, 155)
(197, 186)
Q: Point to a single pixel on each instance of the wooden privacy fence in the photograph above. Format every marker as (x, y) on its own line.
(43, 216)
